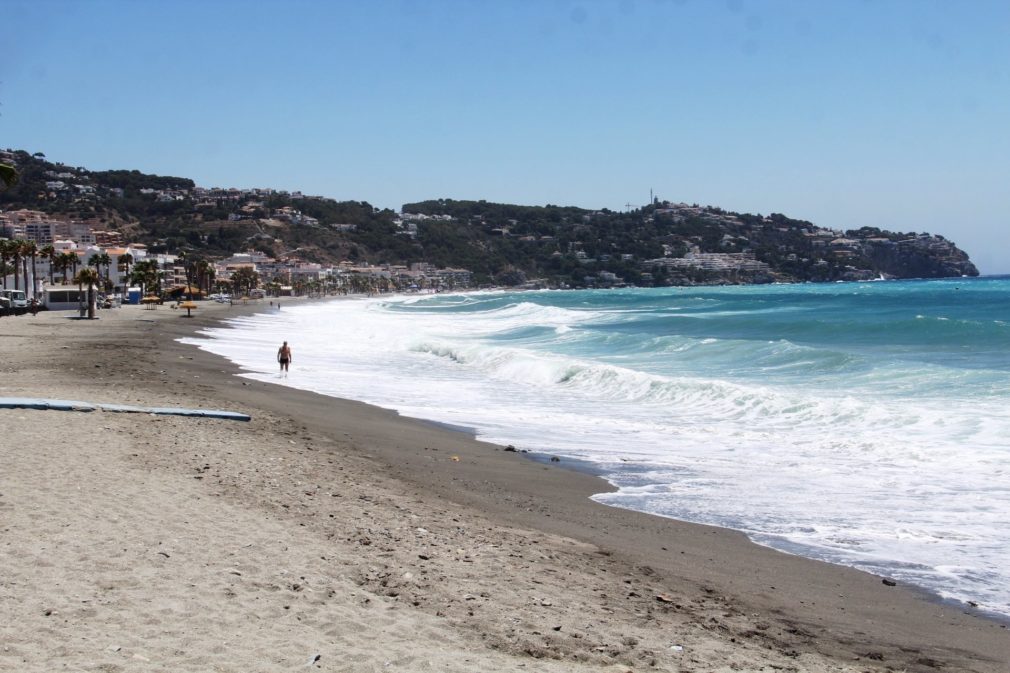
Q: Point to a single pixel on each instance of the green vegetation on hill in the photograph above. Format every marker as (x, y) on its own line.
(658, 244)
(134, 181)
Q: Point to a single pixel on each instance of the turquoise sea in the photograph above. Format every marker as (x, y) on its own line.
(865, 424)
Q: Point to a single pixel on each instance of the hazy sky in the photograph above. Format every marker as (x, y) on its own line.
(846, 113)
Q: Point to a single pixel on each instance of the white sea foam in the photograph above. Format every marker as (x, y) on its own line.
(858, 473)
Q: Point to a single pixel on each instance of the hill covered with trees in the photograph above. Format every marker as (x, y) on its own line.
(660, 244)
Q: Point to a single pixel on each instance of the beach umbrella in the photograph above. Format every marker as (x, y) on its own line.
(189, 306)
(191, 290)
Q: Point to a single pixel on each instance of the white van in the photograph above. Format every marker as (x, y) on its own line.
(17, 298)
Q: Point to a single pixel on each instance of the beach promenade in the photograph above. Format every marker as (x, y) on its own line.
(330, 535)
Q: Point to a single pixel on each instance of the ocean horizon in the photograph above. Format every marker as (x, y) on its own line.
(862, 424)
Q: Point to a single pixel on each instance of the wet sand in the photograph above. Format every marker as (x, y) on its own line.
(328, 527)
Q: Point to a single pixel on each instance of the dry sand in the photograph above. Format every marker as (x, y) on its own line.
(330, 535)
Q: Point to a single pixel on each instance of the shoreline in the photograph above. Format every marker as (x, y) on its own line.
(593, 469)
(600, 471)
(725, 598)
(603, 485)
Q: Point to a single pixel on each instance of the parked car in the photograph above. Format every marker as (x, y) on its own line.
(15, 298)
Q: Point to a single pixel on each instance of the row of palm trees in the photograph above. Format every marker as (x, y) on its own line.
(15, 255)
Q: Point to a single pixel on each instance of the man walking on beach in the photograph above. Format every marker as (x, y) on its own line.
(284, 357)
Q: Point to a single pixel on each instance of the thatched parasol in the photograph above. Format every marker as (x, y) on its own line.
(190, 290)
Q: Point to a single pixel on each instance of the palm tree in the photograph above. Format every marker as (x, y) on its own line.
(98, 261)
(146, 273)
(65, 260)
(56, 265)
(124, 261)
(88, 277)
(189, 263)
(5, 269)
(14, 255)
(16, 246)
(73, 261)
(49, 252)
(107, 263)
(29, 249)
(204, 271)
(245, 279)
(5, 255)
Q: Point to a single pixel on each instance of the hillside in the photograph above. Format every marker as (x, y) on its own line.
(659, 244)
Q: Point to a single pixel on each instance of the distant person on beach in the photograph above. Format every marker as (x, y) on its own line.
(284, 356)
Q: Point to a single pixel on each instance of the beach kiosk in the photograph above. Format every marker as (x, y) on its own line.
(133, 295)
(65, 298)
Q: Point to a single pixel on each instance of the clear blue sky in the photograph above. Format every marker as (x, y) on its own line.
(847, 113)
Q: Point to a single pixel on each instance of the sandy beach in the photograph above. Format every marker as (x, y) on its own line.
(330, 535)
